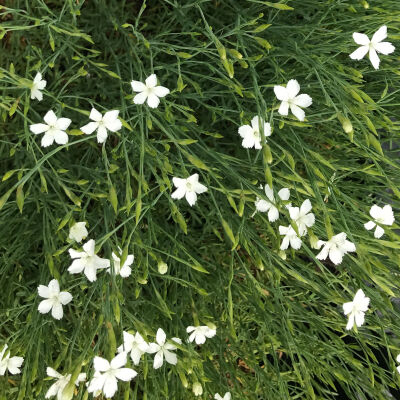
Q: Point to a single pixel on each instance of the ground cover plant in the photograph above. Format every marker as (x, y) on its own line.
(199, 199)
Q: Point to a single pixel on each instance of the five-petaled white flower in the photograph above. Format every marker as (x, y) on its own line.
(302, 216)
(125, 270)
(53, 129)
(372, 46)
(54, 299)
(188, 188)
(381, 215)
(57, 388)
(227, 396)
(38, 84)
(163, 349)
(149, 91)
(270, 205)
(290, 238)
(398, 360)
(251, 134)
(12, 364)
(87, 261)
(78, 232)
(200, 333)
(336, 248)
(108, 121)
(135, 344)
(107, 375)
(356, 309)
(290, 99)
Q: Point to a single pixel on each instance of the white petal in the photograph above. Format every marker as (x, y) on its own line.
(379, 232)
(178, 182)
(44, 291)
(151, 81)
(199, 188)
(191, 198)
(303, 100)
(53, 390)
(384, 48)
(294, 212)
(14, 363)
(118, 361)
(350, 322)
(369, 225)
(37, 78)
(361, 39)
(65, 297)
(36, 94)
(101, 134)
(111, 121)
(359, 317)
(388, 217)
(125, 271)
(376, 211)
(138, 86)
(281, 93)
(77, 266)
(153, 101)
(89, 247)
(50, 118)
(125, 374)
(161, 337)
(47, 140)
(54, 286)
(38, 128)
(273, 214)
(347, 307)
(179, 193)
(285, 243)
(359, 53)
(323, 254)
(140, 98)
(336, 256)
(298, 112)
(262, 205)
(89, 128)
(284, 194)
(110, 386)
(63, 123)
(373, 56)
(158, 360)
(75, 254)
(306, 207)
(95, 115)
(246, 131)
(170, 357)
(61, 137)
(101, 364)
(90, 272)
(57, 311)
(348, 246)
(293, 88)
(45, 306)
(284, 108)
(380, 34)
(160, 91)
(295, 242)
(269, 193)
(248, 142)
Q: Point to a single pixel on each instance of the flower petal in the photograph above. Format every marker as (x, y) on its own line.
(65, 297)
(191, 198)
(373, 56)
(61, 137)
(140, 98)
(50, 118)
(89, 128)
(359, 53)
(57, 311)
(170, 357)
(303, 100)
(63, 123)
(380, 34)
(101, 364)
(47, 140)
(125, 374)
(153, 101)
(160, 91)
(161, 337)
(293, 88)
(361, 39)
(38, 128)
(138, 86)
(281, 93)
(158, 360)
(298, 112)
(43, 291)
(118, 361)
(284, 108)
(151, 81)
(95, 115)
(384, 48)
(45, 306)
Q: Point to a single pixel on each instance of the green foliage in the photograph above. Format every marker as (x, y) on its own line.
(280, 326)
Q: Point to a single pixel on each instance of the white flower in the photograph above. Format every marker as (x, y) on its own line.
(200, 333)
(87, 261)
(290, 98)
(251, 134)
(56, 389)
(356, 309)
(125, 270)
(53, 129)
(336, 248)
(38, 85)
(78, 231)
(134, 344)
(398, 360)
(372, 46)
(302, 216)
(162, 350)
(269, 205)
(12, 364)
(226, 397)
(290, 238)
(102, 123)
(197, 389)
(381, 215)
(54, 299)
(107, 375)
(188, 188)
(149, 91)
